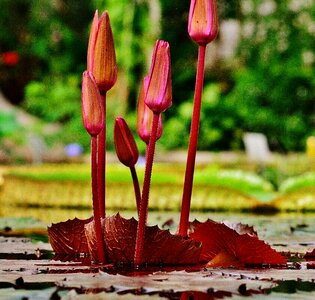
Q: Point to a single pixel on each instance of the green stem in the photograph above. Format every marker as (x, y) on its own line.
(143, 215)
(193, 141)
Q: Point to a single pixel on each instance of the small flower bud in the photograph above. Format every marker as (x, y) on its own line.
(92, 111)
(126, 147)
(159, 93)
(203, 21)
(145, 116)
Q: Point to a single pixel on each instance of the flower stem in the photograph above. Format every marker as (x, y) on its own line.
(101, 162)
(136, 187)
(96, 209)
(193, 140)
(143, 215)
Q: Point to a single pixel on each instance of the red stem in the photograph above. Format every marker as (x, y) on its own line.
(143, 215)
(101, 162)
(96, 209)
(193, 140)
(136, 187)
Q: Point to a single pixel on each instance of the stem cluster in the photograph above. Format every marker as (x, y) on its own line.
(155, 97)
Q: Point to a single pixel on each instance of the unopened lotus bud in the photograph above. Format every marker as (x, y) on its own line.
(92, 111)
(104, 65)
(145, 116)
(159, 92)
(126, 147)
(203, 21)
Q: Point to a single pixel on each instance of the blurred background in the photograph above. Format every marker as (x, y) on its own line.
(259, 72)
(259, 77)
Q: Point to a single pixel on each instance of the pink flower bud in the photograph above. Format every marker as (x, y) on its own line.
(145, 116)
(126, 147)
(101, 58)
(92, 111)
(203, 21)
(159, 93)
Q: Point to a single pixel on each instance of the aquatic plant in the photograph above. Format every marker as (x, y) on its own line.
(101, 61)
(127, 153)
(117, 240)
(202, 28)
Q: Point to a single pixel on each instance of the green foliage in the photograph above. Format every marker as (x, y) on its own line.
(268, 86)
(8, 124)
(58, 100)
(274, 84)
(218, 123)
(134, 36)
(295, 183)
(243, 181)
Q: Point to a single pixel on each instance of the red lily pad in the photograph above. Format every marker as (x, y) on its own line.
(68, 237)
(160, 246)
(229, 248)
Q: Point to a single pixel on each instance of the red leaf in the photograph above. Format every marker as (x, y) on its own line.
(68, 237)
(241, 228)
(160, 246)
(89, 229)
(233, 248)
(310, 255)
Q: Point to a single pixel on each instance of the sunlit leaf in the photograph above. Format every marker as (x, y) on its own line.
(245, 249)
(68, 237)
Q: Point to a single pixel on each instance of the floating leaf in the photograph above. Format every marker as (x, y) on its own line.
(228, 247)
(160, 246)
(68, 237)
(241, 228)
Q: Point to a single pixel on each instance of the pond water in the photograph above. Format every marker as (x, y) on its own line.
(285, 232)
(277, 228)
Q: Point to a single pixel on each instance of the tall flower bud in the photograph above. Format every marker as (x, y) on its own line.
(126, 147)
(92, 111)
(101, 58)
(145, 115)
(159, 92)
(203, 21)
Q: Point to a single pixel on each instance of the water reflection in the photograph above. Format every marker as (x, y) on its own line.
(293, 226)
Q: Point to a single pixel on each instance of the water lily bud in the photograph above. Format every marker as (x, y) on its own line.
(145, 115)
(104, 66)
(203, 21)
(92, 111)
(92, 40)
(126, 147)
(159, 92)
